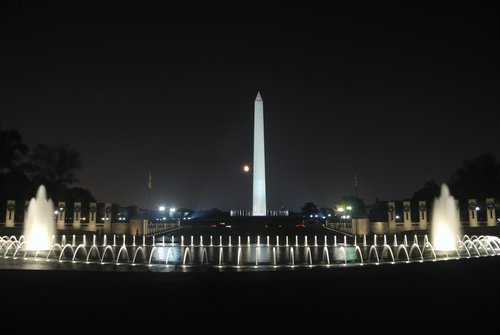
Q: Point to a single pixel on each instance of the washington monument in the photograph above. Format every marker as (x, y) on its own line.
(259, 160)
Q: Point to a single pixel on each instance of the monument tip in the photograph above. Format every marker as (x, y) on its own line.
(258, 96)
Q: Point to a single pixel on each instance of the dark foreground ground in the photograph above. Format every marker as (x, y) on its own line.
(405, 298)
(418, 298)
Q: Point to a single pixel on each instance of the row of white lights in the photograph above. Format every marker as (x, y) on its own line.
(163, 208)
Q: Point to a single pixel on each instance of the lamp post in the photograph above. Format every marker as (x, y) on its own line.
(345, 215)
(161, 209)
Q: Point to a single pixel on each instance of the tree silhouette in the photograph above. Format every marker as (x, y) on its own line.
(477, 178)
(430, 191)
(357, 205)
(79, 194)
(378, 211)
(14, 184)
(310, 208)
(55, 167)
(12, 150)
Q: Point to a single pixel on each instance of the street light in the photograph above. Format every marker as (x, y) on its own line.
(161, 209)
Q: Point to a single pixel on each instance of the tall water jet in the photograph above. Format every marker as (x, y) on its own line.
(39, 224)
(445, 223)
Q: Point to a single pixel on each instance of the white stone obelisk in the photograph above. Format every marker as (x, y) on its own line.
(259, 160)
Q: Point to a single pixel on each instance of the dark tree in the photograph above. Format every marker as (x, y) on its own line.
(55, 167)
(357, 206)
(185, 212)
(14, 184)
(378, 211)
(79, 194)
(12, 150)
(310, 208)
(430, 191)
(478, 178)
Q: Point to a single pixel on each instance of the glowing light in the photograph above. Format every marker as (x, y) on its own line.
(445, 222)
(246, 168)
(161, 208)
(39, 226)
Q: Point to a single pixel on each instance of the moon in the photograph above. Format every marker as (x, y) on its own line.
(246, 168)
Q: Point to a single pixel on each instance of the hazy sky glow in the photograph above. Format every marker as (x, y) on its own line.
(405, 94)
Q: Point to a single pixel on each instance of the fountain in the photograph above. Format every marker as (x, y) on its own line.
(445, 227)
(39, 225)
(39, 235)
(182, 257)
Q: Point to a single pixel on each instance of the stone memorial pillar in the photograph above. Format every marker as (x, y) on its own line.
(77, 215)
(391, 216)
(406, 216)
(107, 218)
(360, 226)
(93, 216)
(10, 214)
(61, 217)
(422, 215)
(473, 213)
(491, 215)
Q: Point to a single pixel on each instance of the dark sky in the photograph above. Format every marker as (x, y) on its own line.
(405, 94)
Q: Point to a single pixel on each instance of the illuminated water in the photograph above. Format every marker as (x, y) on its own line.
(175, 256)
(40, 242)
(39, 225)
(445, 223)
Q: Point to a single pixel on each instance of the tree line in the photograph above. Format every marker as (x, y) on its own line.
(23, 169)
(478, 178)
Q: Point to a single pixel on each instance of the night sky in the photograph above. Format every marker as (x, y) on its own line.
(402, 94)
